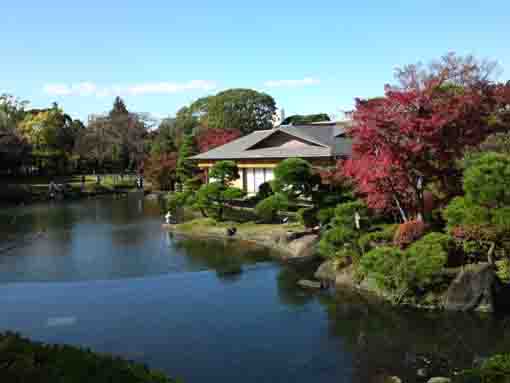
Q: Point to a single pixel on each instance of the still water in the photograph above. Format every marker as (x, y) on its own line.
(103, 274)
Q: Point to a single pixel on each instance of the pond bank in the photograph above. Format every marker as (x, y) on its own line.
(290, 241)
(474, 287)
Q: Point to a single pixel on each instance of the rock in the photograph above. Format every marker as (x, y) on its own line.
(309, 284)
(303, 246)
(473, 289)
(326, 271)
(439, 379)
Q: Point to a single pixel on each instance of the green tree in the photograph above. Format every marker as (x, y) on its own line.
(163, 141)
(185, 165)
(295, 178)
(243, 109)
(214, 196)
(298, 119)
(269, 208)
(480, 220)
(13, 148)
(341, 240)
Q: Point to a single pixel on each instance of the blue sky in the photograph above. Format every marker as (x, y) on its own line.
(161, 54)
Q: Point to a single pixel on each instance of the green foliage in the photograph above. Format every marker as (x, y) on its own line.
(382, 235)
(503, 270)
(341, 240)
(185, 166)
(269, 208)
(480, 221)
(177, 200)
(298, 119)
(426, 257)
(28, 361)
(487, 181)
(224, 172)
(243, 109)
(308, 217)
(213, 197)
(265, 190)
(294, 177)
(386, 265)
(403, 271)
(494, 370)
(325, 215)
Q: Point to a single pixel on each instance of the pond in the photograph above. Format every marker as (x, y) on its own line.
(102, 273)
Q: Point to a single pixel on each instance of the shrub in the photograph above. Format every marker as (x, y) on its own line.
(265, 190)
(382, 235)
(308, 217)
(503, 270)
(26, 361)
(494, 370)
(401, 271)
(408, 232)
(325, 215)
(426, 257)
(341, 240)
(269, 208)
(385, 265)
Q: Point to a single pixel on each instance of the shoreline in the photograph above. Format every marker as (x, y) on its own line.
(290, 242)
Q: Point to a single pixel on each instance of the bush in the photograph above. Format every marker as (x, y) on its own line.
(401, 271)
(341, 240)
(503, 270)
(426, 257)
(408, 232)
(382, 235)
(385, 265)
(269, 208)
(28, 361)
(308, 217)
(494, 370)
(265, 190)
(325, 215)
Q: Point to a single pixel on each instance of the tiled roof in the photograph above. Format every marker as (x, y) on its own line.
(325, 141)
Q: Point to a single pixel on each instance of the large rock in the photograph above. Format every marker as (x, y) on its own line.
(304, 246)
(326, 271)
(474, 288)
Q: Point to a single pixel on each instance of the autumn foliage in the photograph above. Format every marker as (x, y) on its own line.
(160, 170)
(408, 232)
(415, 135)
(210, 138)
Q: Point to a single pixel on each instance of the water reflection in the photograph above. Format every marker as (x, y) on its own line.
(216, 311)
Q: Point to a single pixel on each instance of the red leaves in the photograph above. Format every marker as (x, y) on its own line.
(418, 133)
(409, 232)
(210, 138)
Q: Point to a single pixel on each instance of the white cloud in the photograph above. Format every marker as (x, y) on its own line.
(149, 88)
(292, 83)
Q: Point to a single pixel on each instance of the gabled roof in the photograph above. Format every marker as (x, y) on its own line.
(325, 141)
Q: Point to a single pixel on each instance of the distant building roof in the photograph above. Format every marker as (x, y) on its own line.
(325, 140)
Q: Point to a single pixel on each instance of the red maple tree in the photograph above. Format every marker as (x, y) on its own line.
(210, 138)
(412, 137)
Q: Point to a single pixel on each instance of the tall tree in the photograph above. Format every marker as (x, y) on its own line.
(184, 165)
(243, 109)
(13, 148)
(412, 138)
